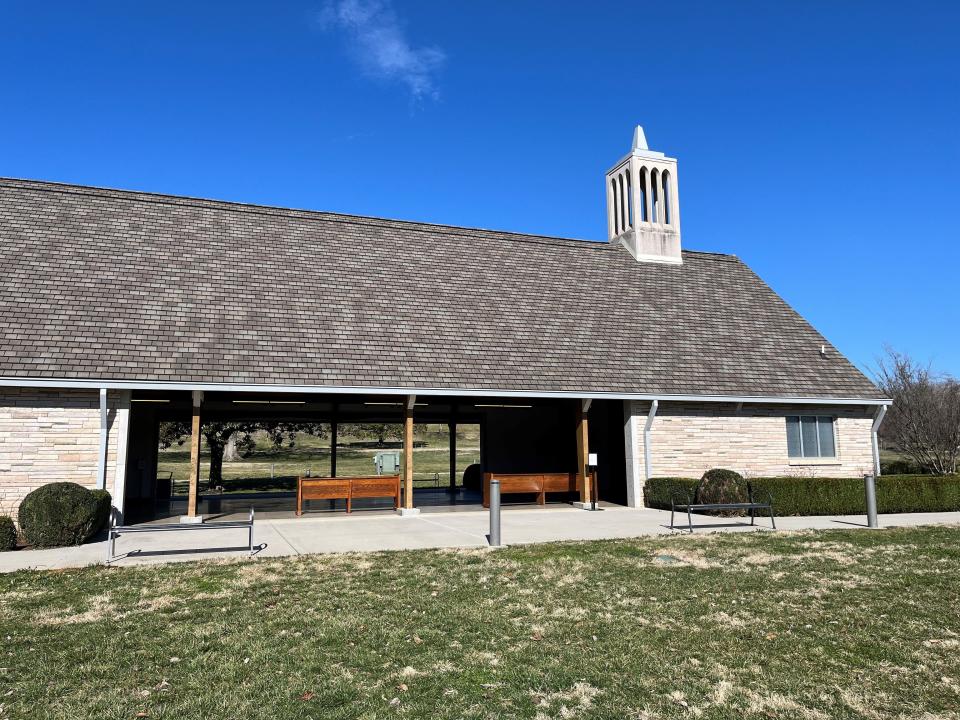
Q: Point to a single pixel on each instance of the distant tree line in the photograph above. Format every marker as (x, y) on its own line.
(924, 421)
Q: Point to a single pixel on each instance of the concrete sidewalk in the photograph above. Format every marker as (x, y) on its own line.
(359, 533)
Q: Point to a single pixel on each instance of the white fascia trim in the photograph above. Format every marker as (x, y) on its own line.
(461, 392)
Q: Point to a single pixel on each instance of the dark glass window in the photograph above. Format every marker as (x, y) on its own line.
(810, 436)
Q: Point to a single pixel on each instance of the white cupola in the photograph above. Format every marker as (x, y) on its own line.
(643, 211)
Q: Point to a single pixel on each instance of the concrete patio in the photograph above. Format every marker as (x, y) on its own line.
(367, 533)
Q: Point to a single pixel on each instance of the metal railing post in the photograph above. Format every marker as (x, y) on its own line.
(494, 513)
(870, 489)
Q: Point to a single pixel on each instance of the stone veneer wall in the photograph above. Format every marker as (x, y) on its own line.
(687, 439)
(53, 435)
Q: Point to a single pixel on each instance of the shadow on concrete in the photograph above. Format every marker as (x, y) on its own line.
(686, 527)
(257, 549)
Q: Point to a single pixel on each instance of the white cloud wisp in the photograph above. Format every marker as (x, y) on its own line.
(381, 47)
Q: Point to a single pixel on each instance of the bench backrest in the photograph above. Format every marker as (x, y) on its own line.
(516, 482)
(353, 478)
(534, 482)
(375, 486)
(323, 488)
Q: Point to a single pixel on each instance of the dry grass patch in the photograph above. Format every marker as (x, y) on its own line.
(569, 703)
(684, 556)
(98, 609)
(839, 624)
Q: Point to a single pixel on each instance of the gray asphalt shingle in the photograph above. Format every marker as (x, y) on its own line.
(105, 284)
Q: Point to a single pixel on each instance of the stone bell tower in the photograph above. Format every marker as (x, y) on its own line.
(643, 211)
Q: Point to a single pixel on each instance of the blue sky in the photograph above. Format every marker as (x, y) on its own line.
(816, 140)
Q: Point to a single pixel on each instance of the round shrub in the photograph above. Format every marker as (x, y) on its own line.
(8, 534)
(59, 514)
(104, 506)
(723, 486)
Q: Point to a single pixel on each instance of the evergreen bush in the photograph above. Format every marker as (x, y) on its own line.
(58, 514)
(104, 506)
(8, 533)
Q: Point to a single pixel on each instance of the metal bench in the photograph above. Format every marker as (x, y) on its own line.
(117, 530)
(691, 507)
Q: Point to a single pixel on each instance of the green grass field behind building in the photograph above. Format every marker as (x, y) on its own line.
(311, 454)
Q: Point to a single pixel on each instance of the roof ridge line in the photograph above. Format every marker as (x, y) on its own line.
(238, 206)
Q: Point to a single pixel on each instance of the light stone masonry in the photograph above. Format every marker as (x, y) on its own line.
(687, 439)
(52, 436)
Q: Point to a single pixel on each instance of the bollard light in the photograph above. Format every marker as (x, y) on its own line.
(870, 490)
(494, 513)
(592, 463)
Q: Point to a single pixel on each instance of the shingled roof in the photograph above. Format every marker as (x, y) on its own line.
(127, 286)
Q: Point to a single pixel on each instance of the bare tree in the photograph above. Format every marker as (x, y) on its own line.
(924, 421)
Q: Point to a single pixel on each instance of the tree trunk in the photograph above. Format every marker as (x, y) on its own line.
(216, 447)
(230, 451)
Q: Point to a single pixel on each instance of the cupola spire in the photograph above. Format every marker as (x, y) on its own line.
(643, 210)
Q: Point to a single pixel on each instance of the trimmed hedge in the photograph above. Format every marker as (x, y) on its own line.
(8, 534)
(658, 491)
(833, 496)
(62, 513)
(901, 467)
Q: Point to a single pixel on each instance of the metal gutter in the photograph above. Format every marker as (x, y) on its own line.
(102, 454)
(874, 429)
(647, 460)
(462, 392)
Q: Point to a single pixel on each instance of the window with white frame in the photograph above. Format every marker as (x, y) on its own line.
(810, 436)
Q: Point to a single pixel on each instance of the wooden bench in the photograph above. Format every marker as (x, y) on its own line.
(348, 488)
(533, 483)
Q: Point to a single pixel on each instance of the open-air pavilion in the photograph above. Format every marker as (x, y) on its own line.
(517, 436)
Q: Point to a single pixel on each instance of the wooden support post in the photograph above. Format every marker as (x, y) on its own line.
(194, 480)
(333, 449)
(583, 449)
(452, 429)
(408, 452)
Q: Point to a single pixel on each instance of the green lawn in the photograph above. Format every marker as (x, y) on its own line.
(839, 624)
